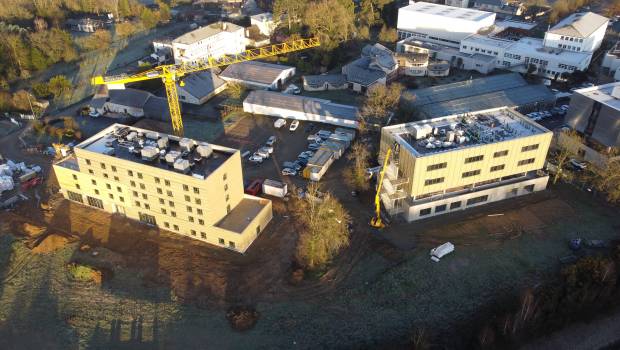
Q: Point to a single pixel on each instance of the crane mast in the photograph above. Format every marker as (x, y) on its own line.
(376, 220)
(170, 74)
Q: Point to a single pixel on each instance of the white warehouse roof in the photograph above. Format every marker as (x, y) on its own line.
(447, 11)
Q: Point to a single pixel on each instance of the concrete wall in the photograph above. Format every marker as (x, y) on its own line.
(605, 120)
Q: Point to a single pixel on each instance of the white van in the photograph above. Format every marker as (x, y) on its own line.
(441, 251)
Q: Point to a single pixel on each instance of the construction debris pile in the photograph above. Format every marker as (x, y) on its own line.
(15, 177)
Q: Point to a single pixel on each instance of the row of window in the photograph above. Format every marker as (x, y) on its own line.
(568, 38)
(569, 47)
(454, 205)
(203, 235)
(481, 157)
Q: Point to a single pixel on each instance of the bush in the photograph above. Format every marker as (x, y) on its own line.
(242, 318)
(81, 273)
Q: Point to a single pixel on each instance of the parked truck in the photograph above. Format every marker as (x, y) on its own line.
(275, 188)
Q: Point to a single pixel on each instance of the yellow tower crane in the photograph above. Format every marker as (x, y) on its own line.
(376, 220)
(170, 74)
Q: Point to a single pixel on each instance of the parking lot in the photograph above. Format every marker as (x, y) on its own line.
(251, 133)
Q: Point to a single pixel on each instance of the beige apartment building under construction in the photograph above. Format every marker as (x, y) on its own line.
(181, 185)
(460, 161)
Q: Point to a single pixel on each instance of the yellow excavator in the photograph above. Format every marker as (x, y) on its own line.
(376, 220)
(170, 74)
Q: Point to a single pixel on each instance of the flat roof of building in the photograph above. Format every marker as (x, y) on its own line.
(485, 40)
(205, 32)
(302, 104)
(580, 25)
(516, 24)
(535, 46)
(115, 141)
(255, 72)
(447, 11)
(459, 131)
(603, 94)
(242, 214)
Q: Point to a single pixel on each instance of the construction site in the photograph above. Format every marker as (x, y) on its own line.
(172, 207)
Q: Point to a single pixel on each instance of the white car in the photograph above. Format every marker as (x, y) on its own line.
(441, 251)
(256, 159)
(271, 141)
(292, 89)
(578, 165)
(279, 123)
(294, 125)
(94, 114)
(262, 153)
(268, 149)
(288, 172)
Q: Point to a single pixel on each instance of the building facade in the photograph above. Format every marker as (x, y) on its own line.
(579, 32)
(456, 162)
(190, 188)
(214, 40)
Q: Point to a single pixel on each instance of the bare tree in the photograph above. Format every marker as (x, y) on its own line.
(355, 176)
(381, 100)
(568, 143)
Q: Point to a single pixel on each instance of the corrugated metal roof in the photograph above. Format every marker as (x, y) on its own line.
(320, 80)
(254, 72)
(205, 32)
(580, 25)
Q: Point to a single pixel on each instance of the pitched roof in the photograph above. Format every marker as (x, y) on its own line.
(580, 25)
(358, 72)
(205, 32)
(202, 84)
(254, 72)
(129, 97)
(157, 108)
(320, 80)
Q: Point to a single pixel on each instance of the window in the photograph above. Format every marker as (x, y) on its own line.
(500, 154)
(436, 166)
(171, 204)
(129, 172)
(142, 187)
(185, 188)
(77, 186)
(135, 193)
(163, 211)
(146, 206)
(440, 208)
(167, 182)
(477, 200)
(429, 182)
(424, 212)
(76, 197)
(190, 218)
(161, 201)
(97, 192)
(166, 224)
(132, 183)
(231, 244)
(189, 209)
(90, 171)
(88, 161)
(201, 221)
(121, 199)
(173, 214)
(102, 166)
(225, 187)
(198, 201)
(176, 227)
(196, 190)
(139, 175)
(187, 198)
(144, 196)
(74, 177)
(157, 180)
(193, 232)
(529, 148)
(169, 193)
(113, 168)
(137, 204)
(471, 173)
(526, 161)
(94, 202)
(203, 235)
(199, 211)
(473, 159)
(116, 178)
(160, 191)
(94, 182)
(529, 188)
(455, 205)
(221, 241)
(119, 189)
(498, 167)
(111, 196)
(105, 175)
(224, 177)
(227, 197)
(108, 186)
(228, 208)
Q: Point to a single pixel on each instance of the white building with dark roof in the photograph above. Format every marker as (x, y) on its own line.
(130, 102)
(214, 40)
(440, 23)
(579, 32)
(198, 88)
(377, 65)
(260, 75)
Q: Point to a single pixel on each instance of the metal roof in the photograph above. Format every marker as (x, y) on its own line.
(302, 104)
(320, 80)
(254, 72)
(205, 32)
(580, 25)
(128, 97)
(202, 84)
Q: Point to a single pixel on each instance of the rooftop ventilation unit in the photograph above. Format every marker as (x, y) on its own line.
(182, 165)
(149, 153)
(162, 142)
(187, 144)
(204, 149)
(172, 156)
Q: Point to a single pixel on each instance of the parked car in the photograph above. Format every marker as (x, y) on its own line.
(255, 187)
(292, 89)
(262, 153)
(302, 161)
(288, 172)
(268, 149)
(303, 155)
(313, 138)
(294, 125)
(441, 251)
(314, 146)
(308, 153)
(279, 123)
(255, 159)
(297, 165)
(564, 107)
(310, 128)
(578, 165)
(290, 165)
(94, 114)
(324, 134)
(271, 141)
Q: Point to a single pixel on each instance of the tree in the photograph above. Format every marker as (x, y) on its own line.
(324, 231)
(332, 20)
(292, 10)
(235, 90)
(381, 100)
(127, 29)
(607, 180)
(21, 100)
(59, 85)
(568, 143)
(356, 176)
(387, 35)
(99, 40)
(148, 18)
(41, 89)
